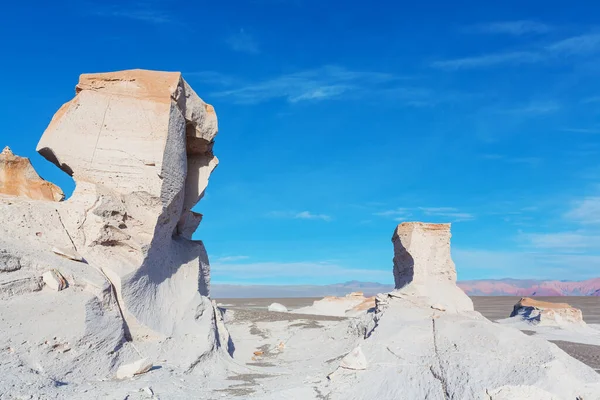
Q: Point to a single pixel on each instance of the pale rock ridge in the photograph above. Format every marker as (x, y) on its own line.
(547, 313)
(353, 304)
(18, 178)
(139, 146)
(423, 266)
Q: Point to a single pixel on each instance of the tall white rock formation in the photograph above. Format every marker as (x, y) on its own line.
(423, 266)
(139, 146)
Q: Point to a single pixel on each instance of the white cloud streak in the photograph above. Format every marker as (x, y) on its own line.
(451, 213)
(148, 12)
(489, 60)
(574, 46)
(299, 215)
(447, 212)
(490, 264)
(328, 82)
(562, 241)
(533, 109)
(230, 258)
(586, 211)
(515, 28)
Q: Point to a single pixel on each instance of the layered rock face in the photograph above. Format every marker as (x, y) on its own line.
(423, 266)
(144, 141)
(547, 313)
(18, 178)
(139, 146)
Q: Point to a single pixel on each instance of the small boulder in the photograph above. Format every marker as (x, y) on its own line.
(54, 280)
(354, 360)
(278, 307)
(135, 368)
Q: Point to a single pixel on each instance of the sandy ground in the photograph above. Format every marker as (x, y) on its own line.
(492, 307)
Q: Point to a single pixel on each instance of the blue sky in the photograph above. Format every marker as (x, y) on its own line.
(340, 119)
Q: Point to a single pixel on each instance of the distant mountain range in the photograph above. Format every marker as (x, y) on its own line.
(529, 287)
(485, 287)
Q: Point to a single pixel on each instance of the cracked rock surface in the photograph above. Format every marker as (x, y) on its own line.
(139, 147)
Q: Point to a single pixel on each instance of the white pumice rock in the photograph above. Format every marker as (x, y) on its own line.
(135, 368)
(54, 280)
(354, 360)
(277, 307)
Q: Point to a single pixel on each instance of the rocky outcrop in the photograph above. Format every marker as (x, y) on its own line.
(423, 267)
(277, 307)
(352, 304)
(424, 341)
(18, 178)
(139, 147)
(546, 313)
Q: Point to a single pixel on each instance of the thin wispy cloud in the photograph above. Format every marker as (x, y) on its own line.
(447, 212)
(299, 215)
(562, 241)
(309, 215)
(393, 213)
(398, 214)
(515, 28)
(585, 211)
(451, 213)
(582, 44)
(532, 161)
(489, 60)
(574, 46)
(230, 258)
(593, 131)
(533, 264)
(243, 42)
(149, 12)
(592, 99)
(533, 109)
(329, 82)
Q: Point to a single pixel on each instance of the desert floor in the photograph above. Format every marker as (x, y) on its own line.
(492, 307)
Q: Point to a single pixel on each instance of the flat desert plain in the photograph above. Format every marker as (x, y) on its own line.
(492, 307)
